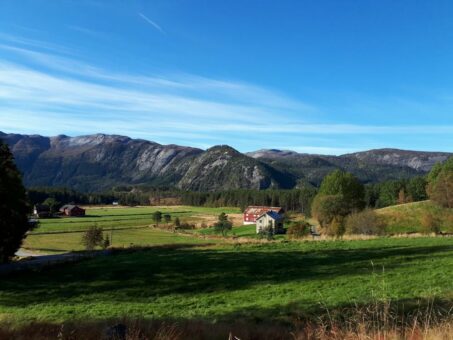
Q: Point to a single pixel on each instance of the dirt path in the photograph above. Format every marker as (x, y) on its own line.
(39, 261)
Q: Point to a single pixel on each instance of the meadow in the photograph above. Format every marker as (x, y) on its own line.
(270, 281)
(125, 226)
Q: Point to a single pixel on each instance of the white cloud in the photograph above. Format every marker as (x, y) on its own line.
(151, 22)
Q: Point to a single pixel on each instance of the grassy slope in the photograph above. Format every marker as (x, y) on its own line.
(271, 280)
(406, 218)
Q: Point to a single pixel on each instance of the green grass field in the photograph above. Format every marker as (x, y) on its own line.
(406, 218)
(270, 281)
(131, 226)
(127, 217)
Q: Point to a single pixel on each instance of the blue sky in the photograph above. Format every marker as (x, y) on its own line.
(325, 77)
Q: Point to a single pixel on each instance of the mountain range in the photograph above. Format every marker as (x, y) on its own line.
(100, 162)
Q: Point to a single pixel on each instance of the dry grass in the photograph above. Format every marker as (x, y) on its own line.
(380, 320)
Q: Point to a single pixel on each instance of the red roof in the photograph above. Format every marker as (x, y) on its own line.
(259, 210)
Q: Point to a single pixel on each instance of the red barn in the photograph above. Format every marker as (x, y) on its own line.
(72, 210)
(253, 212)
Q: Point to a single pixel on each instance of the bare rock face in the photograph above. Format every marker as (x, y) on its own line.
(420, 161)
(100, 162)
(222, 168)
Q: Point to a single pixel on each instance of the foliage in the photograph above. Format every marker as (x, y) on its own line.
(326, 207)
(430, 223)
(53, 204)
(167, 218)
(365, 222)
(389, 193)
(347, 186)
(92, 238)
(157, 217)
(336, 227)
(298, 229)
(106, 242)
(223, 225)
(14, 208)
(440, 185)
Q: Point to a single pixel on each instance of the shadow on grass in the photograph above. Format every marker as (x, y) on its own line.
(141, 275)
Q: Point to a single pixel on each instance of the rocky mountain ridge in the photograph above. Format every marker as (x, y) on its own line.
(100, 162)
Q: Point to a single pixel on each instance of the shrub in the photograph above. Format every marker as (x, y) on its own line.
(185, 226)
(430, 223)
(298, 230)
(336, 227)
(366, 222)
(92, 238)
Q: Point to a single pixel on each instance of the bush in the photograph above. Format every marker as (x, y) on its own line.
(336, 227)
(298, 230)
(366, 222)
(430, 223)
(185, 226)
(92, 238)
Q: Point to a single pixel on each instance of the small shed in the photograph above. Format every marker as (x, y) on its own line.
(72, 210)
(270, 219)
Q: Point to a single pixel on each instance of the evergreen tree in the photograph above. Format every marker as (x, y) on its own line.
(14, 207)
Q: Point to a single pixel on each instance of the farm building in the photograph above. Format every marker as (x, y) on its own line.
(72, 210)
(41, 210)
(270, 219)
(253, 212)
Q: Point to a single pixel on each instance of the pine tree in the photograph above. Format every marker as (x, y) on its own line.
(14, 207)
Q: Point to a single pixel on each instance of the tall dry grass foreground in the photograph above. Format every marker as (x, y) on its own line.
(381, 320)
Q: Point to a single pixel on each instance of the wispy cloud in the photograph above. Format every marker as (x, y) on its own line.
(52, 94)
(151, 22)
(86, 31)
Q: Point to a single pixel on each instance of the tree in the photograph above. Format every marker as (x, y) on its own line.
(326, 207)
(167, 218)
(157, 217)
(93, 237)
(14, 207)
(223, 225)
(347, 186)
(440, 184)
(53, 204)
(106, 242)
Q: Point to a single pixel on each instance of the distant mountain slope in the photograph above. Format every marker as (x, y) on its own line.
(368, 166)
(100, 162)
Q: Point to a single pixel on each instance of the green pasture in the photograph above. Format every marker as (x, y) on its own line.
(270, 281)
(126, 217)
